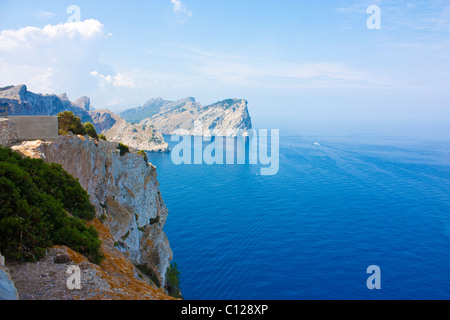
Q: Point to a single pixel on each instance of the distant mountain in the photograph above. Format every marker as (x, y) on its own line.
(155, 106)
(83, 102)
(141, 137)
(21, 102)
(222, 118)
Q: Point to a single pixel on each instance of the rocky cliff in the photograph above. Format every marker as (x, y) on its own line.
(103, 120)
(83, 102)
(125, 192)
(223, 118)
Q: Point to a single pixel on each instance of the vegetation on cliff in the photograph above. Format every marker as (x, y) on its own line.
(173, 280)
(68, 122)
(172, 284)
(149, 273)
(142, 153)
(123, 148)
(89, 129)
(35, 201)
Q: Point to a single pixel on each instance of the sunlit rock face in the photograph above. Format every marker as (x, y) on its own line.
(223, 118)
(141, 137)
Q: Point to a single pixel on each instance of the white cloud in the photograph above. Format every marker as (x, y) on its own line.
(117, 80)
(29, 37)
(182, 13)
(53, 59)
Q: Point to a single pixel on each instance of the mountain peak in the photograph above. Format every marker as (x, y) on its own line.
(63, 96)
(14, 92)
(83, 102)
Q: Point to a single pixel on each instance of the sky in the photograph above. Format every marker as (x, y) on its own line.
(308, 67)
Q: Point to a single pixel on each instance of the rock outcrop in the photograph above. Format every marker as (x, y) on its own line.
(83, 102)
(8, 290)
(223, 118)
(141, 137)
(124, 190)
(103, 120)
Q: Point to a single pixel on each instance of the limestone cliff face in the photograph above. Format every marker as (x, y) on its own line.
(124, 190)
(223, 118)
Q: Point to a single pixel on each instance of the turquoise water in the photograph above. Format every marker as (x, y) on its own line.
(310, 232)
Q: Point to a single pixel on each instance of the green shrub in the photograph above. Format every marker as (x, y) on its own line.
(67, 122)
(173, 280)
(149, 273)
(89, 129)
(144, 154)
(103, 217)
(123, 149)
(58, 183)
(124, 237)
(102, 136)
(34, 199)
(154, 220)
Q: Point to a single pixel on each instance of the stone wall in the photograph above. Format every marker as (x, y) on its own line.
(35, 127)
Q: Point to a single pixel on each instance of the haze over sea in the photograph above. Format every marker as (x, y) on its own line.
(336, 206)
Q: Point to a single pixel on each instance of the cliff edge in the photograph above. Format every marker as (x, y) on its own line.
(130, 215)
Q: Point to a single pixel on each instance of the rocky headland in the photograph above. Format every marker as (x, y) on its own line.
(223, 118)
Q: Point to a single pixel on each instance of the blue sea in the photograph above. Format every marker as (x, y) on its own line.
(337, 206)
